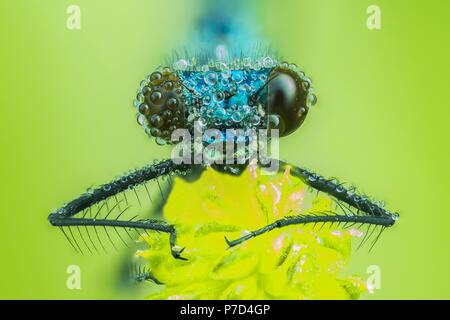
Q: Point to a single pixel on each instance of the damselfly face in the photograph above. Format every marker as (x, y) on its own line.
(264, 94)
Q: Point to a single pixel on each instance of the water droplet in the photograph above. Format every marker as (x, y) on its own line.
(156, 97)
(237, 77)
(181, 64)
(160, 141)
(274, 121)
(219, 96)
(236, 116)
(143, 83)
(166, 71)
(172, 103)
(146, 90)
(156, 121)
(136, 103)
(144, 109)
(168, 85)
(142, 120)
(140, 97)
(191, 117)
(220, 113)
(206, 100)
(155, 76)
(267, 62)
(256, 120)
(210, 78)
(312, 100)
(257, 66)
(306, 84)
(167, 114)
(247, 62)
(155, 132)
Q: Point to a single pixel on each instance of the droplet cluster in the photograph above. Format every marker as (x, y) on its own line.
(217, 95)
(160, 104)
(221, 98)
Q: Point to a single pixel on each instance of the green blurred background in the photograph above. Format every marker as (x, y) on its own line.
(67, 123)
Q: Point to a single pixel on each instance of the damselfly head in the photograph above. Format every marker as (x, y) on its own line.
(239, 94)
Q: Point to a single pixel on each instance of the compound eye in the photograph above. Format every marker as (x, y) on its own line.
(162, 110)
(287, 96)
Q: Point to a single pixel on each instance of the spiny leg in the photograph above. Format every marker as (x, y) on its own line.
(137, 177)
(155, 225)
(310, 218)
(335, 189)
(64, 217)
(368, 212)
(143, 274)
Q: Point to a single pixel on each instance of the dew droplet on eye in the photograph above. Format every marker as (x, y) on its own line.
(160, 141)
(312, 100)
(236, 116)
(142, 120)
(172, 103)
(144, 109)
(155, 77)
(256, 120)
(156, 121)
(140, 97)
(155, 132)
(237, 77)
(168, 85)
(191, 117)
(167, 114)
(143, 83)
(156, 97)
(219, 96)
(220, 113)
(206, 100)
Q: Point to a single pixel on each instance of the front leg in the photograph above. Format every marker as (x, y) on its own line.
(65, 216)
(368, 212)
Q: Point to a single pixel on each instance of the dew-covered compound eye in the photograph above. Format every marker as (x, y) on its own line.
(161, 105)
(237, 95)
(288, 99)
